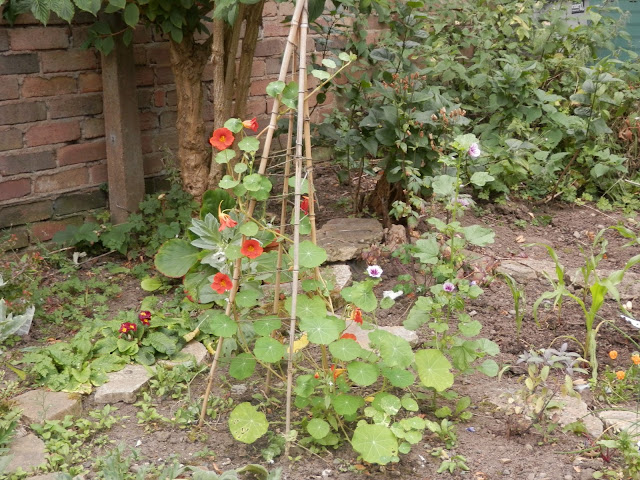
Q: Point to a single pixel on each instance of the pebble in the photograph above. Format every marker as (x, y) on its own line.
(531, 476)
(238, 389)
(568, 477)
(576, 234)
(528, 447)
(473, 313)
(505, 460)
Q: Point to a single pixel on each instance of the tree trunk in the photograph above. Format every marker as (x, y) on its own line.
(383, 196)
(188, 60)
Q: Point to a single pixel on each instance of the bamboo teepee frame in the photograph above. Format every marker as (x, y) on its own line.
(297, 37)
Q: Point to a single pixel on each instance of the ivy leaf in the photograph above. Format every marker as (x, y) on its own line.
(376, 443)
(434, 369)
(247, 424)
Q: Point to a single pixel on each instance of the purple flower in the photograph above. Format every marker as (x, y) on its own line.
(463, 201)
(474, 150)
(374, 271)
(448, 287)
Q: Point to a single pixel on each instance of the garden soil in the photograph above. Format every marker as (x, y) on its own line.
(492, 444)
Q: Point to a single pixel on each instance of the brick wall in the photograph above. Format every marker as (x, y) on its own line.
(52, 147)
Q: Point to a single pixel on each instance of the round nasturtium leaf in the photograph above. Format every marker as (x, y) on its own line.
(242, 366)
(318, 428)
(390, 405)
(363, 374)
(265, 326)
(310, 255)
(347, 404)
(409, 403)
(434, 369)
(375, 443)
(247, 424)
(307, 307)
(219, 325)
(345, 350)
(394, 350)
(268, 350)
(322, 331)
(398, 377)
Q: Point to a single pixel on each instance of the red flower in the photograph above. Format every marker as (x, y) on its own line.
(225, 220)
(222, 138)
(356, 315)
(349, 336)
(128, 327)
(221, 283)
(251, 124)
(251, 248)
(304, 205)
(145, 317)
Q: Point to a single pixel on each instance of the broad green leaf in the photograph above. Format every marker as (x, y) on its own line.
(248, 297)
(228, 182)
(176, 257)
(480, 179)
(470, 329)
(131, 14)
(218, 324)
(252, 182)
(375, 443)
(489, 367)
(390, 404)
(361, 295)
(268, 350)
(478, 235)
(249, 144)
(347, 404)
(362, 373)
(434, 369)
(265, 326)
(307, 307)
(345, 350)
(427, 250)
(321, 74)
(409, 403)
(398, 377)
(249, 229)
(240, 167)
(212, 200)
(443, 185)
(247, 424)
(310, 255)
(318, 428)
(225, 156)
(394, 350)
(242, 366)
(275, 88)
(233, 124)
(327, 62)
(161, 342)
(322, 331)
(151, 284)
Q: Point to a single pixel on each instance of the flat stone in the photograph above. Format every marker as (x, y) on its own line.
(575, 409)
(46, 476)
(395, 236)
(27, 453)
(622, 420)
(362, 335)
(527, 269)
(345, 238)
(186, 356)
(123, 386)
(40, 405)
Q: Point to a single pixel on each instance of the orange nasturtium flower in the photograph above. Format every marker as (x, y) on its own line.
(221, 283)
(225, 220)
(251, 124)
(336, 371)
(251, 248)
(613, 354)
(356, 315)
(620, 374)
(349, 336)
(222, 138)
(635, 358)
(304, 205)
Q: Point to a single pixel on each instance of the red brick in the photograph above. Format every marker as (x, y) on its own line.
(172, 98)
(10, 139)
(75, 105)
(270, 46)
(26, 162)
(258, 69)
(19, 63)
(23, 112)
(286, 8)
(9, 88)
(82, 153)
(259, 87)
(168, 119)
(158, 54)
(164, 75)
(25, 213)
(146, 139)
(144, 76)
(39, 38)
(46, 87)
(139, 55)
(148, 120)
(256, 106)
(270, 9)
(158, 98)
(92, 128)
(63, 180)
(98, 174)
(15, 189)
(89, 82)
(52, 132)
(275, 29)
(79, 202)
(68, 60)
(273, 66)
(142, 34)
(4, 39)
(79, 34)
(44, 231)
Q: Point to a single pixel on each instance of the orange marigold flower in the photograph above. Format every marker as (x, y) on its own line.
(620, 374)
(221, 283)
(251, 248)
(635, 358)
(222, 138)
(304, 205)
(349, 336)
(251, 124)
(356, 315)
(613, 354)
(225, 220)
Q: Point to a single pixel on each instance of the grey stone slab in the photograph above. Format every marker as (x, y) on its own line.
(575, 409)
(345, 238)
(40, 405)
(27, 453)
(622, 420)
(191, 351)
(362, 335)
(123, 386)
(527, 269)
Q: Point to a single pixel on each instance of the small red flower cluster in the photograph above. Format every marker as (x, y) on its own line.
(145, 317)
(127, 327)
(223, 138)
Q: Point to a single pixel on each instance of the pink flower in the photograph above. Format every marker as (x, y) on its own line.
(374, 271)
(448, 287)
(474, 150)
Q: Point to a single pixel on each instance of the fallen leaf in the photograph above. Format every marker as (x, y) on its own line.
(520, 239)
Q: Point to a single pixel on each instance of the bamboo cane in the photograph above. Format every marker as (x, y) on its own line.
(297, 14)
(302, 82)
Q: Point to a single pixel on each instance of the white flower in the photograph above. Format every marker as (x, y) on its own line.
(374, 271)
(448, 287)
(391, 294)
(474, 150)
